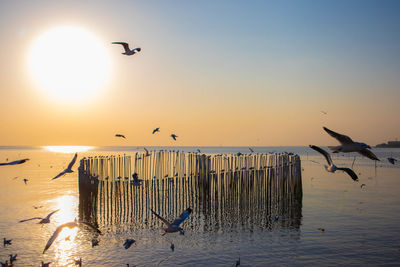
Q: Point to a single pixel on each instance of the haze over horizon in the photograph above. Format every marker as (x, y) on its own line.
(214, 73)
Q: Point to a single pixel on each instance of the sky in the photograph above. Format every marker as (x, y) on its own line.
(215, 73)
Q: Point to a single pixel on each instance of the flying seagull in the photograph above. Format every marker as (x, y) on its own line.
(392, 160)
(68, 169)
(332, 168)
(128, 243)
(147, 152)
(251, 150)
(156, 130)
(174, 226)
(14, 162)
(174, 136)
(69, 225)
(42, 220)
(120, 135)
(348, 145)
(128, 51)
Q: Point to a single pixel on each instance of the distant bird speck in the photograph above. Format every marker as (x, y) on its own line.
(172, 246)
(156, 130)
(6, 241)
(25, 180)
(128, 243)
(174, 226)
(120, 135)
(392, 160)
(174, 136)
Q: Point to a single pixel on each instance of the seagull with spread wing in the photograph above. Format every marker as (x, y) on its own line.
(69, 225)
(348, 145)
(120, 135)
(68, 169)
(128, 51)
(332, 167)
(156, 130)
(42, 220)
(147, 152)
(174, 226)
(174, 136)
(14, 162)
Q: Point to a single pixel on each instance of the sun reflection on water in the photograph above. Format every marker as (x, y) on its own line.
(68, 149)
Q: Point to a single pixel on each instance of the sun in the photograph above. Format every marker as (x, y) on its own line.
(69, 64)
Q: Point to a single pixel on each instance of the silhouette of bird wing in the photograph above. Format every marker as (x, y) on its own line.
(161, 218)
(125, 45)
(35, 218)
(51, 213)
(72, 161)
(323, 152)
(57, 232)
(343, 139)
(60, 174)
(91, 226)
(14, 162)
(367, 153)
(182, 217)
(350, 172)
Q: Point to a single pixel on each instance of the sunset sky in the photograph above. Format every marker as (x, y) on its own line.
(230, 73)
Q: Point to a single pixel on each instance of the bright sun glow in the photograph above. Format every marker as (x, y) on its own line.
(67, 149)
(69, 63)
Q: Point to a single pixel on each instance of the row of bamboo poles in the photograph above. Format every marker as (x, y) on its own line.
(224, 191)
(169, 164)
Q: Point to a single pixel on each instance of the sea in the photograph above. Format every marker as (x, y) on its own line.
(335, 221)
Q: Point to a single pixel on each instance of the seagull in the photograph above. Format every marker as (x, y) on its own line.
(363, 185)
(6, 241)
(5, 264)
(322, 230)
(174, 226)
(42, 220)
(174, 136)
(239, 154)
(198, 150)
(25, 180)
(68, 169)
(128, 51)
(348, 145)
(13, 258)
(69, 225)
(172, 246)
(156, 130)
(392, 160)
(147, 152)
(251, 150)
(128, 243)
(78, 262)
(332, 168)
(37, 207)
(324, 112)
(120, 135)
(95, 242)
(136, 181)
(46, 264)
(14, 162)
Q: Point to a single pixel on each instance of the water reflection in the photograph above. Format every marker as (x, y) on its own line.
(269, 199)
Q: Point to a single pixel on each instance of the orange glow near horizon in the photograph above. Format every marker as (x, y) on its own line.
(68, 149)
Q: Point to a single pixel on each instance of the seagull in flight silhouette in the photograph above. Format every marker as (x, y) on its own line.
(332, 167)
(156, 130)
(120, 135)
(174, 226)
(14, 162)
(42, 220)
(69, 225)
(174, 136)
(128, 51)
(68, 169)
(348, 145)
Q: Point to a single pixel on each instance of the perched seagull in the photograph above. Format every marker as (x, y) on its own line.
(69, 225)
(42, 220)
(128, 243)
(69, 168)
(136, 181)
(6, 241)
(156, 130)
(392, 160)
(174, 136)
(348, 145)
(251, 150)
(174, 226)
(120, 135)
(332, 168)
(147, 152)
(14, 162)
(239, 154)
(128, 51)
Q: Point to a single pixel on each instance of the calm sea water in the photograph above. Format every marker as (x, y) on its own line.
(362, 225)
